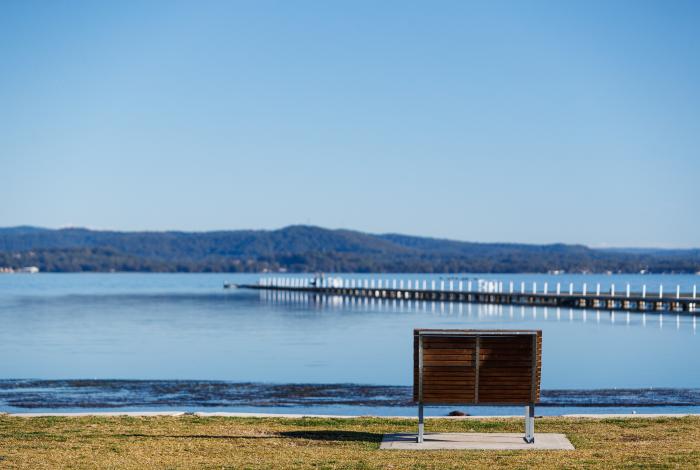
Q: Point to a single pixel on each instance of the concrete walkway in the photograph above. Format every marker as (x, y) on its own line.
(296, 415)
(102, 413)
(475, 441)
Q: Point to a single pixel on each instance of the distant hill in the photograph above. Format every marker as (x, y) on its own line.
(307, 248)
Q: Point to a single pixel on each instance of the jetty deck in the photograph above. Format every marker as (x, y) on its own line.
(502, 293)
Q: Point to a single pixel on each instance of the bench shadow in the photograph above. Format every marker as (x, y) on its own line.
(328, 436)
(192, 436)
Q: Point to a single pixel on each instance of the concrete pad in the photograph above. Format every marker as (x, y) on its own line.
(475, 441)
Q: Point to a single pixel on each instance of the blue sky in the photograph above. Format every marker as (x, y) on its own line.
(533, 122)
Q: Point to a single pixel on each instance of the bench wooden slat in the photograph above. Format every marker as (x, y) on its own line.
(506, 366)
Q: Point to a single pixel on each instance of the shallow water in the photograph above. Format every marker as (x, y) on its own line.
(186, 327)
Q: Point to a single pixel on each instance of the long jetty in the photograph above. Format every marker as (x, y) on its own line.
(487, 292)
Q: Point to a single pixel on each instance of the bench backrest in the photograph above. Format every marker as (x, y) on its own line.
(479, 367)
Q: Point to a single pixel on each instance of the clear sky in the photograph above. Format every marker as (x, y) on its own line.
(515, 121)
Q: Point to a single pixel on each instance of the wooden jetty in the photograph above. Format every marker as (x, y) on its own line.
(463, 291)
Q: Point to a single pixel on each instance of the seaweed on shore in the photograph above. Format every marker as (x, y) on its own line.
(96, 394)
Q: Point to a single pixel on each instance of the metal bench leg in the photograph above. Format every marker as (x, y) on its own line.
(530, 424)
(420, 423)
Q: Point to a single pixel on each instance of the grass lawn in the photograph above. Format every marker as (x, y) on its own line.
(190, 441)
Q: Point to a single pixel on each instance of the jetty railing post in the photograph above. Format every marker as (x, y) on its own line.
(459, 286)
(661, 290)
(585, 286)
(695, 291)
(612, 290)
(425, 285)
(401, 284)
(534, 287)
(442, 285)
(644, 291)
(545, 288)
(597, 289)
(510, 287)
(558, 288)
(432, 284)
(393, 284)
(627, 293)
(678, 291)
(522, 287)
(451, 285)
(571, 288)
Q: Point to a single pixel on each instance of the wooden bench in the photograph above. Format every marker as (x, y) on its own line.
(478, 367)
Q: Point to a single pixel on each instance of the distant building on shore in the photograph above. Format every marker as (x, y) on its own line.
(24, 270)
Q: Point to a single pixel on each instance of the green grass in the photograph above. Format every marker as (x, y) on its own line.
(195, 442)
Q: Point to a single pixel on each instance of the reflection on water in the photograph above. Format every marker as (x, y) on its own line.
(479, 311)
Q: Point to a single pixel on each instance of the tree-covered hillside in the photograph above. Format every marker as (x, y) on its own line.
(305, 248)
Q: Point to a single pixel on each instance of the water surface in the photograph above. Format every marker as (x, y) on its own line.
(186, 327)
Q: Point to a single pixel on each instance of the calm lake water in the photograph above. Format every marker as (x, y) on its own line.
(187, 327)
